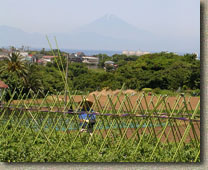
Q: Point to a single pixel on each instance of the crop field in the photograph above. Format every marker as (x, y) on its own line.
(128, 128)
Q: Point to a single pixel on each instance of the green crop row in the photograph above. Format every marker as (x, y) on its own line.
(15, 150)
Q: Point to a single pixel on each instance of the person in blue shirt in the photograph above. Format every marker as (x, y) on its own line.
(87, 121)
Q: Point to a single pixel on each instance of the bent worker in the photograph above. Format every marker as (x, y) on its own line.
(87, 120)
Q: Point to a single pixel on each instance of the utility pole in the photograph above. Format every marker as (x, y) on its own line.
(66, 83)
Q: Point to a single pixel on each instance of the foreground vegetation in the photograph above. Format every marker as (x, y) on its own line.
(49, 136)
(15, 150)
(39, 131)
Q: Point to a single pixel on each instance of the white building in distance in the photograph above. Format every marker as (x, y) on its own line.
(90, 60)
(137, 53)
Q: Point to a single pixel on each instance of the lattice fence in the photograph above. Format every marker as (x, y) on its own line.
(135, 128)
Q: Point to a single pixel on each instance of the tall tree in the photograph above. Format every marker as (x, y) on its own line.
(14, 63)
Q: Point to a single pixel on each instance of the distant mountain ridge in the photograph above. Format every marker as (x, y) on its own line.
(106, 33)
(11, 36)
(111, 25)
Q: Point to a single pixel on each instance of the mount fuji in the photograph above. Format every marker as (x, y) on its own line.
(106, 33)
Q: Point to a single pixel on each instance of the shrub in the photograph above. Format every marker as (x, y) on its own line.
(146, 90)
(156, 90)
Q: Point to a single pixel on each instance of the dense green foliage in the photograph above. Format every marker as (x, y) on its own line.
(13, 150)
(160, 71)
(45, 52)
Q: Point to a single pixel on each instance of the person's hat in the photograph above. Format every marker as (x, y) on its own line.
(85, 103)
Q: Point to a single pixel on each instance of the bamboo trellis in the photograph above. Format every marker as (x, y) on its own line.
(119, 121)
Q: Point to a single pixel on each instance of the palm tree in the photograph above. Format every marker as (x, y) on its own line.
(14, 63)
(33, 79)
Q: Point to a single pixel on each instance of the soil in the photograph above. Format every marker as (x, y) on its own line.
(133, 95)
(170, 100)
(178, 132)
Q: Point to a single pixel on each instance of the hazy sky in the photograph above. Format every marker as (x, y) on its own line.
(180, 17)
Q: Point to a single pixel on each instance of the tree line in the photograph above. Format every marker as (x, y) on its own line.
(156, 71)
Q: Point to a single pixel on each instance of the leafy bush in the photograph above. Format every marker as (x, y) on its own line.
(168, 92)
(146, 90)
(15, 150)
(156, 90)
